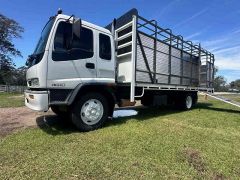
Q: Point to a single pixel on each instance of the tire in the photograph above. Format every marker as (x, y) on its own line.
(185, 102)
(195, 99)
(90, 112)
(147, 101)
(60, 111)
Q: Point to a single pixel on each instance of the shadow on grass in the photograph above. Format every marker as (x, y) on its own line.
(55, 125)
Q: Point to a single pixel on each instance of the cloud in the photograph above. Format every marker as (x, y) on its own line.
(193, 35)
(192, 17)
(237, 31)
(229, 66)
(165, 9)
(232, 50)
(230, 75)
(228, 63)
(196, 34)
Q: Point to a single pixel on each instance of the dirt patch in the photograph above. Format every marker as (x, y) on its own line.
(12, 119)
(195, 160)
(217, 176)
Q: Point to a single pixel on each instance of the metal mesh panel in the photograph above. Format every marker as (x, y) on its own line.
(186, 56)
(176, 52)
(147, 41)
(195, 71)
(184, 67)
(162, 78)
(206, 76)
(149, 54)
(175, 66)
(140, 64)
(175, 80)
(162, 47)
(142, 77)
(162, 63)
(185, 81)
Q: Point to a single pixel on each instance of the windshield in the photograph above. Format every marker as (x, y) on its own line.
(41, 45)
(44, 37)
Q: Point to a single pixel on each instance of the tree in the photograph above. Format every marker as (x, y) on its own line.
(220, 83)
(9, 30)
(19, 76)
(235, 84)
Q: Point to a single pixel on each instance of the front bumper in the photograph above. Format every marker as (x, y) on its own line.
(37, 100)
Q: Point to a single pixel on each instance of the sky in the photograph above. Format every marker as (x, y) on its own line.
(213, 23)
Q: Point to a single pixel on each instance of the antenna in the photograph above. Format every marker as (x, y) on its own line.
(59, 11)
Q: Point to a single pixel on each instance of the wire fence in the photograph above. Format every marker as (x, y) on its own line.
(12, 88)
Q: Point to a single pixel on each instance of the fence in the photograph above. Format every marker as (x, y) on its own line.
(12, 88)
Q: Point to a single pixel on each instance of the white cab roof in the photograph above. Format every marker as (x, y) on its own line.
(99, 28)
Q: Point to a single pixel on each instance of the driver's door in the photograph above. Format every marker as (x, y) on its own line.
(69, 66)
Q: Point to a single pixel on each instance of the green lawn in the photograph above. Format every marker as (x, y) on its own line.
(234, 97)
(203, 143)
(11, 100)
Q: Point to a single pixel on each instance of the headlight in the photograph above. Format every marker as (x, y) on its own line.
(35, 82)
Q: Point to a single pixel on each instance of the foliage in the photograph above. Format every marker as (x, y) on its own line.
(220, 83)
(235, 84)
(9, 30)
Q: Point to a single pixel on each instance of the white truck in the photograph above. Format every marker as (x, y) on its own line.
(83, 70)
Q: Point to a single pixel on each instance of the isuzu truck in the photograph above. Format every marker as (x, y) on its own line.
(83, 70)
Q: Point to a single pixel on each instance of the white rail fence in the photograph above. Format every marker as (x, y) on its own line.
(12, 88)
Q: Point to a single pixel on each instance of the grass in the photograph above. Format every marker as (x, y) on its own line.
(203, 143)
(11, 100)
(234, 97)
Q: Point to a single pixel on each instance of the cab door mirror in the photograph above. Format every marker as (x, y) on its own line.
(76, 28)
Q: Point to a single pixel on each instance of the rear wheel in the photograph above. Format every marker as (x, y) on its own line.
(185, 102)
(188, 102)
(90, 112)
(147, 100)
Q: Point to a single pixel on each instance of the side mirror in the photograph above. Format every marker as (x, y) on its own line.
(76, 28)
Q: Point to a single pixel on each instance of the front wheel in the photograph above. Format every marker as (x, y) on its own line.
(90, 112)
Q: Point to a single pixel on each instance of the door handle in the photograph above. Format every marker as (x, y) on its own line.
(90, 65)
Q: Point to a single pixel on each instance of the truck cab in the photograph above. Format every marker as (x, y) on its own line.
(70, 52)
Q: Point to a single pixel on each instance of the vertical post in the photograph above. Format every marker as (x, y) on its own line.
(210, 71)
(191, 63)
(181, 79)
(155, 54)
(206, 70)
(134, 53)
(199, 65)
(115, 35)
(170, 60)
(213, 70)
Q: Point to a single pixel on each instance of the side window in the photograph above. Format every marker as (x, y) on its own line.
(79, 48)
(104, 47)
(83, 48)
(62, 36)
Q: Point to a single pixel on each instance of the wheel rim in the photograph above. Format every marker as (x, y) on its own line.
(92, 111)
(189, 102)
